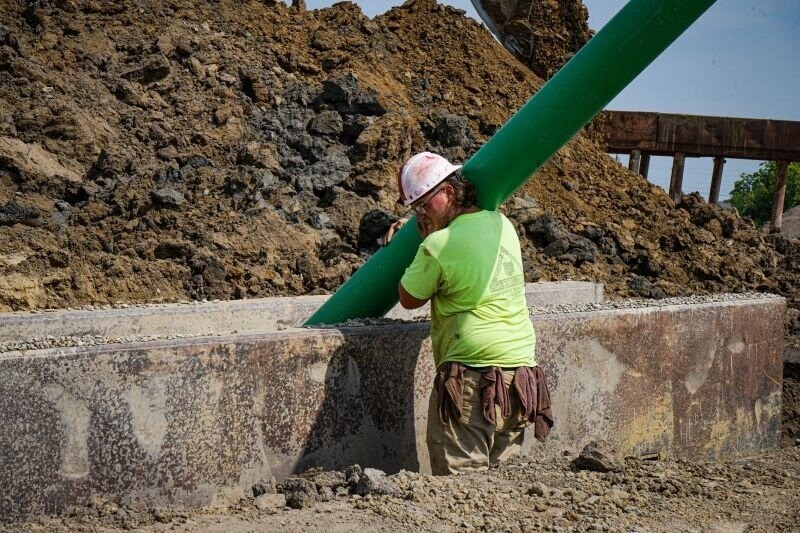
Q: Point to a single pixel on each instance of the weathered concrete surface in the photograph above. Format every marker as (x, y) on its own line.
(687, 381)
(178, 422)
(231, 317)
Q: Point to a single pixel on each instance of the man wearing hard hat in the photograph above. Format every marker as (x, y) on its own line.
(488, 387)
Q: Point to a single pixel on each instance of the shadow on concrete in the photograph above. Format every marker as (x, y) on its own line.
(367, 415)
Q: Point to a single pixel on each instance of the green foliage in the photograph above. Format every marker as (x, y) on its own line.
(752, 193)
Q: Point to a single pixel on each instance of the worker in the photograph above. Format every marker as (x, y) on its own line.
(469, 266)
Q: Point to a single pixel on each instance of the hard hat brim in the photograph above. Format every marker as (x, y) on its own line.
(410, 202)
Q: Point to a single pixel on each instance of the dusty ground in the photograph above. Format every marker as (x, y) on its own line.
(165, 151)
(527, 494)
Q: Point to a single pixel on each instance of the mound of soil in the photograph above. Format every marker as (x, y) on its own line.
(156, 151)
(542, 34)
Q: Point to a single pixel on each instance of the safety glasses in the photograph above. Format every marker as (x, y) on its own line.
(420, 207)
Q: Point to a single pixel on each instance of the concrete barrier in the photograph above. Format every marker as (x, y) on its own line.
(179, 422)
(232, 317)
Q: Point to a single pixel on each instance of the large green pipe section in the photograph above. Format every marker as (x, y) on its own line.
(587, 83)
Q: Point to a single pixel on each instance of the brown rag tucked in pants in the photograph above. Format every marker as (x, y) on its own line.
(478, 417)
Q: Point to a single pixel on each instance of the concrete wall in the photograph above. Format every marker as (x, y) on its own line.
(178, 422)
(238, 316)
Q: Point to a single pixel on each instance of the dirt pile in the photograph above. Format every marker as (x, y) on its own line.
(168, 151)
(542, 34)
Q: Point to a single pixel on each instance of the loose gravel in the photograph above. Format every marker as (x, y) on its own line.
(637, 303)
(50, 341)
(542, 492)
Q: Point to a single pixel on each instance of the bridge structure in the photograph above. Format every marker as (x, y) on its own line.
(643, 134)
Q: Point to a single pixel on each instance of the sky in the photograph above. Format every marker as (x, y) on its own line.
(740, 59)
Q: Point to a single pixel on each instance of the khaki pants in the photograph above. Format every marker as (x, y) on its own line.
(471, 443)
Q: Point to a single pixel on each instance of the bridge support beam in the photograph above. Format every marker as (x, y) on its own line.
(780, 193)
(676, 182)
(644, 165)
(716, 180)
(634, 163)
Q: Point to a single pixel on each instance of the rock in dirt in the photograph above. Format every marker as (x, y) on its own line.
(352, 475)
(374, 481)
(13, 213)
(299, 493)
(33, 161)
(598, 457)
(644, 288)
(264, 487)
(168, 197)
(271, 501)
(374, 224)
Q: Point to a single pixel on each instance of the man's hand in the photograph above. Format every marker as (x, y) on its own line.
(394, 228)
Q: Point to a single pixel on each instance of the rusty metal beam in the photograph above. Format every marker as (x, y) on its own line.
(701, 136)
(716, 180)
(676, 180)
(776, 221)
(635, 161)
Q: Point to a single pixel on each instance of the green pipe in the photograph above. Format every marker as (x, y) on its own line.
(570, 99)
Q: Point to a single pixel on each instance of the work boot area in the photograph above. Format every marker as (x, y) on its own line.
(184, 184)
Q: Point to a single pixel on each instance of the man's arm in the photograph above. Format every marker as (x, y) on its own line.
(408, 301)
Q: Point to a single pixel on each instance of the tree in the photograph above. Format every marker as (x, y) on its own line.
(752, 193)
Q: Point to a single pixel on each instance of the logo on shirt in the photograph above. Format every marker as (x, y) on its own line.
(508, 276)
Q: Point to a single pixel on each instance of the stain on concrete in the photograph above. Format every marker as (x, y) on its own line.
(148, 413)
(75, 416)
(588, 374)
(699, 374)
(650, 432)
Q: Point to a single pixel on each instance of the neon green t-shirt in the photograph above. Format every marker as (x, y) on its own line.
(472, 272)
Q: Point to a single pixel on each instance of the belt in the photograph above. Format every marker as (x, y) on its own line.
(484, 369)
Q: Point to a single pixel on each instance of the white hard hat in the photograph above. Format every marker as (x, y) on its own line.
(421, 173)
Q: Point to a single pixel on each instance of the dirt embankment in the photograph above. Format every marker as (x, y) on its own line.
(168, 151)
(542, 34)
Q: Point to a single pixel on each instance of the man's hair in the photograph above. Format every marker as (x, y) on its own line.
(466, 195)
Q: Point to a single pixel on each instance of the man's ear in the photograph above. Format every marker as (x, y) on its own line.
(450, 189)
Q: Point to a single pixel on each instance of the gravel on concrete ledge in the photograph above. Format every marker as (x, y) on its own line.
(50, 341)
(611, 305)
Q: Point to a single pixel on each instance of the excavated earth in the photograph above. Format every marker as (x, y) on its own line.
(172, 151)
